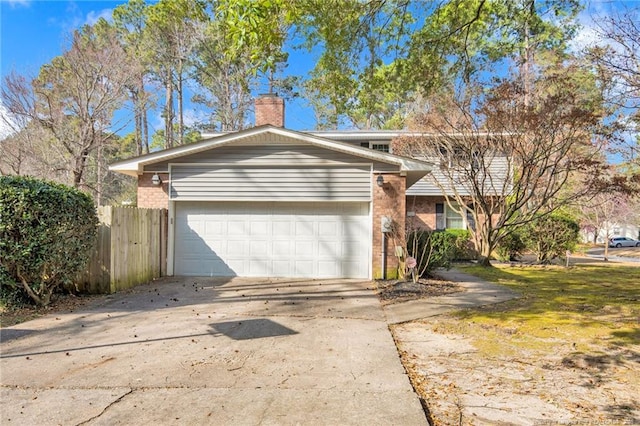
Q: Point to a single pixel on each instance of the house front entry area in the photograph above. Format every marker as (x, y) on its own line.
(273, 239)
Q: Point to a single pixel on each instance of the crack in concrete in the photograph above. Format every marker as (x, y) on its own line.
(107, 407)
(311, 317)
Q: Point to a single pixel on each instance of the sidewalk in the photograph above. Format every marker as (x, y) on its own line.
(477, 293)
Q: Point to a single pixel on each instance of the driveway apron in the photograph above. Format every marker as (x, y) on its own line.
(211, 351)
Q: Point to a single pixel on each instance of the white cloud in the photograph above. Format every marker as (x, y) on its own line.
(191, 118)
(18, 3)
(93, 16)
(194, 116)
(588, 35)
(75, 18)
(593, 20)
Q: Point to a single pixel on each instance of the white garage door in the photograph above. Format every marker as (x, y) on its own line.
(274, 239)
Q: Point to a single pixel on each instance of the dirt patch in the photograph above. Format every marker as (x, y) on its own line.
(61, 303)
(462, 383)
(391, 292)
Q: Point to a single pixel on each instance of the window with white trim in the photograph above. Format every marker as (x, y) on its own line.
(383, 147)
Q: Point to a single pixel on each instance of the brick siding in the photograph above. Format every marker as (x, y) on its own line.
(152, 196)
(424, 209)
(390, 201)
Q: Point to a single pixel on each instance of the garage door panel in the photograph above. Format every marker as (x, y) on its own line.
(259, 248)
(259, 268)
(213, 228)
(351, 268)
(282, 229)
(303, 268)
(329, 268)
(230, 247)
(322, 240)
(303, 248)
(305, 227)
(281, 248)
(260, 228)
(328, 249)
(236, 227)
(329, 228)
(282, 268)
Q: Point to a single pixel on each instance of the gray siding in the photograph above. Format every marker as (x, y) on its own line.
(247, 155)
(261, 183)
(496, 182)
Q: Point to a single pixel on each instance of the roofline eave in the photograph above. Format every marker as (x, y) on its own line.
(135, 166)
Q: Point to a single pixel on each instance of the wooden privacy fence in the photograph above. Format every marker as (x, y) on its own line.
(131, 249)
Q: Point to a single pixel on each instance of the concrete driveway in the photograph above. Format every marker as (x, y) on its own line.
(211, 351)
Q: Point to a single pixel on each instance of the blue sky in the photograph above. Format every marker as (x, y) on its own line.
(32, 32)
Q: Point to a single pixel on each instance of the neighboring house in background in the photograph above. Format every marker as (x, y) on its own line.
(609, 231)
(268, 201)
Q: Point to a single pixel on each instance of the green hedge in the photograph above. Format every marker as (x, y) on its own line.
(550, 236)
(47, 232)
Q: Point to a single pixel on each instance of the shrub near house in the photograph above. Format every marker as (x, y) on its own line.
(436, 249)
(47, 231)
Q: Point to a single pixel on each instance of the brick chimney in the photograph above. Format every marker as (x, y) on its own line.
(270, 110)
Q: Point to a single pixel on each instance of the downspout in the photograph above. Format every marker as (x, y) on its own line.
(384, 255)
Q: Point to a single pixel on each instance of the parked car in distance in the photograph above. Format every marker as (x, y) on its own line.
(623, 242)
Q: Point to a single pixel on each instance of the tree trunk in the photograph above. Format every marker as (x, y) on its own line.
(168, 112)
(145, 130)
(485, 249)
(78, 170)
(484, 261)
(180, 107)
(135, 96)
(144, 124)
(138, 133)
(40, 301)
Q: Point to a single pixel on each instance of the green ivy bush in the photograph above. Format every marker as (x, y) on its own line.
(550, 236)
(47, 233)
(436, 249)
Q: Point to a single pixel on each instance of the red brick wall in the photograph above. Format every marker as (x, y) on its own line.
(151, 196)
(425, 212)
(269, 110)
(390, 201)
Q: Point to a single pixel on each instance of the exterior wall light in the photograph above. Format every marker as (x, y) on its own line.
(156, 180)
(380, 181)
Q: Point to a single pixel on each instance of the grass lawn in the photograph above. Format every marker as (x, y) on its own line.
(587, 305)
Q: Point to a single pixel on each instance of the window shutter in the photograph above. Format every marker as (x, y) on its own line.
(440, 222)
